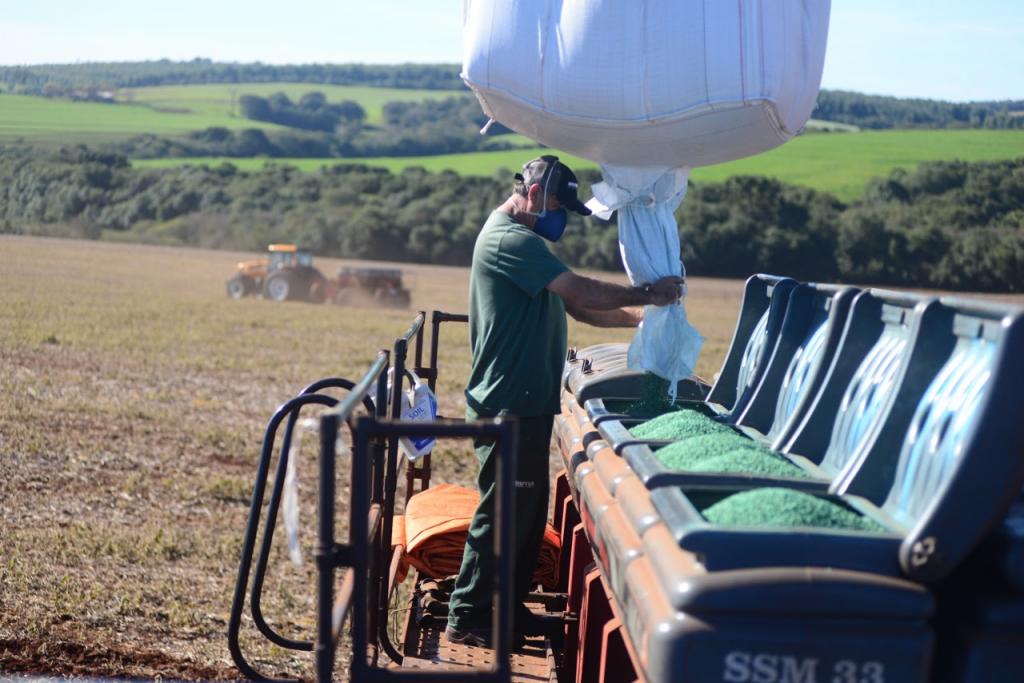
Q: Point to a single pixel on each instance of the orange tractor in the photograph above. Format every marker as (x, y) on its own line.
(289, 275)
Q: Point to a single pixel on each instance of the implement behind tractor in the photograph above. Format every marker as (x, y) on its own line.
(842, 505)
(289, 275)
(380, 286)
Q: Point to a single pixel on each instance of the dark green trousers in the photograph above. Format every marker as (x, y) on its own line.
(471, 601)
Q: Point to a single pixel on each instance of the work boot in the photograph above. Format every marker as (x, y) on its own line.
(472, 638)
(479, 638)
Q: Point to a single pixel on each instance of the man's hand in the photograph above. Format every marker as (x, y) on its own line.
(665, 291)
(580, 292)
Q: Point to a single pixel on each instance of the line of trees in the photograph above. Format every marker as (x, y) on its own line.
(63, 79)
(332, 130)
(874, 111)
(462, 113)
(83, 80)
(311, 112)
(948, 224)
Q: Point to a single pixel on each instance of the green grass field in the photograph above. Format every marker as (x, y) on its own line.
(839, 163)
(170, 110)
(41, 119)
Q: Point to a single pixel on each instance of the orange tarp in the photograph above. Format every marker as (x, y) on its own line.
(434, 529)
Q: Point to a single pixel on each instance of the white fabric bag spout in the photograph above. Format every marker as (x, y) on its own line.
(648, 83)
(666, 343)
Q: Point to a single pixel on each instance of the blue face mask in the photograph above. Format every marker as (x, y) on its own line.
(551, 224)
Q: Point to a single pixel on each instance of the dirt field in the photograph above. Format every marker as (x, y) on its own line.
(133, 399)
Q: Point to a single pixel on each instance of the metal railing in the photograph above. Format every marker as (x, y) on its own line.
(290, 410)
(421, 472)
(369, 557)
(288, 413)
(365, 530)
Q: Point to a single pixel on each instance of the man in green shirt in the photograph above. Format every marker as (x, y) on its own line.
(519, 293)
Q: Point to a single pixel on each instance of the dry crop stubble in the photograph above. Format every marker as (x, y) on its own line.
(132, 406)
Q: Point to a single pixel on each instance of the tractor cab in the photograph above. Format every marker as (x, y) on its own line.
(288, 256)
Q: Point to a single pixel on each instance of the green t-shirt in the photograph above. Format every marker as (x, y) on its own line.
(517, 329)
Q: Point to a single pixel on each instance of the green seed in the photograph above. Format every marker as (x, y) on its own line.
(776, 507)
(739, 461)
(679, 424)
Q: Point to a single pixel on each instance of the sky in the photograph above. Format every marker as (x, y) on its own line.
(939, 49)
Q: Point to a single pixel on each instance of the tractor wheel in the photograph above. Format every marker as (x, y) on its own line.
(343, 297)
(392, 298)
(239, 286)
(401, 299)
(279, 287)
(317, 291)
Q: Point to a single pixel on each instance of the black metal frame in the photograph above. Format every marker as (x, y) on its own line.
(310, 395)
(376, 465)
(289, 410)
(421, 473)
(384, 583)
(375, 456)
(365, 524)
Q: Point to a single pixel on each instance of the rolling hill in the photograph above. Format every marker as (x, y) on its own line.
(836, 162)
(839, 163)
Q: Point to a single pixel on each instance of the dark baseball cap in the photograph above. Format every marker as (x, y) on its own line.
(556, 178)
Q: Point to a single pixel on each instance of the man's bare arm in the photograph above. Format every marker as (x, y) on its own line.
(581, 293)
(629, 316)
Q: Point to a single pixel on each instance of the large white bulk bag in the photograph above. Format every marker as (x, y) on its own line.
(649, 83)
(649, 89)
